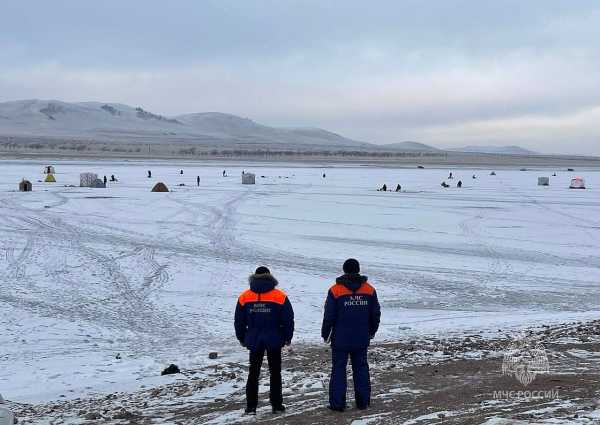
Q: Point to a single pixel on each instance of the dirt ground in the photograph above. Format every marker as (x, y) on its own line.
(453, 381)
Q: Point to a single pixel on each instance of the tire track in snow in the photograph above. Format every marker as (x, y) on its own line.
(499, 270)
(129, 305)
(158, 275)
(139, 311)
(17, 266)
(545, 208)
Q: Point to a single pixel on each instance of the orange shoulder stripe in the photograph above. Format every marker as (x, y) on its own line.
(274, 296)
(366, 289)
(340, 290)
(247, 297)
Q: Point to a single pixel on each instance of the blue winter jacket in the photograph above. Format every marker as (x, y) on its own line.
(352, 313)
(264, 318)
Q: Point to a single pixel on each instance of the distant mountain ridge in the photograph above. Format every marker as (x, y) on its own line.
(411, 147)
(500, 150)
(114, 121)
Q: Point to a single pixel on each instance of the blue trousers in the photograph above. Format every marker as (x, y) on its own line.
(338, 382)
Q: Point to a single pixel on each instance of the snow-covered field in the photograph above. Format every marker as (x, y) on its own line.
(86, 274)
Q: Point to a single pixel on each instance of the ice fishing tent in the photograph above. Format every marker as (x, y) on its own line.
(577, 183)
(25, 186)
(543, 181)
(50, 178)
(87, 179)
(49, 169)
(160, 187)
(98, 184)
(248, 178)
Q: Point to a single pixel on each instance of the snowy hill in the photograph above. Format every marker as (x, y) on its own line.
(502, 150)
(411, 147)
(113, 121)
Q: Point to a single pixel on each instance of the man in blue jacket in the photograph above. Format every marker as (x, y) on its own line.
(351, 320)
(264, 321)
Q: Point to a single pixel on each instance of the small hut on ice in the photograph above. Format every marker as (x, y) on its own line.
(248, 178)
(25, 186)
(160, 187)
(87, 179)
(543, 181)
(577, 183)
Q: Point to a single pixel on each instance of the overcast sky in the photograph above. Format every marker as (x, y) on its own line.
(447, 73)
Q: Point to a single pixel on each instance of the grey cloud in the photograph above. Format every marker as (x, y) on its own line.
(381, 71)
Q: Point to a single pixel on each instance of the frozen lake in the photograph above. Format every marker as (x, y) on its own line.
(90, 273)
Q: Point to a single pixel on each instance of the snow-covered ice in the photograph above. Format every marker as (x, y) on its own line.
(87, 274)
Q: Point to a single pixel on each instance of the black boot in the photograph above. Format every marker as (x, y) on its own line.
(278, 409)
(250, 411)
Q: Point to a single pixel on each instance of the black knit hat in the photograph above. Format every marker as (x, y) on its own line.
(262, 270)
(351, 266)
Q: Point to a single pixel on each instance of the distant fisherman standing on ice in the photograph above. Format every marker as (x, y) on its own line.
(264, 320)
(351, 320)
